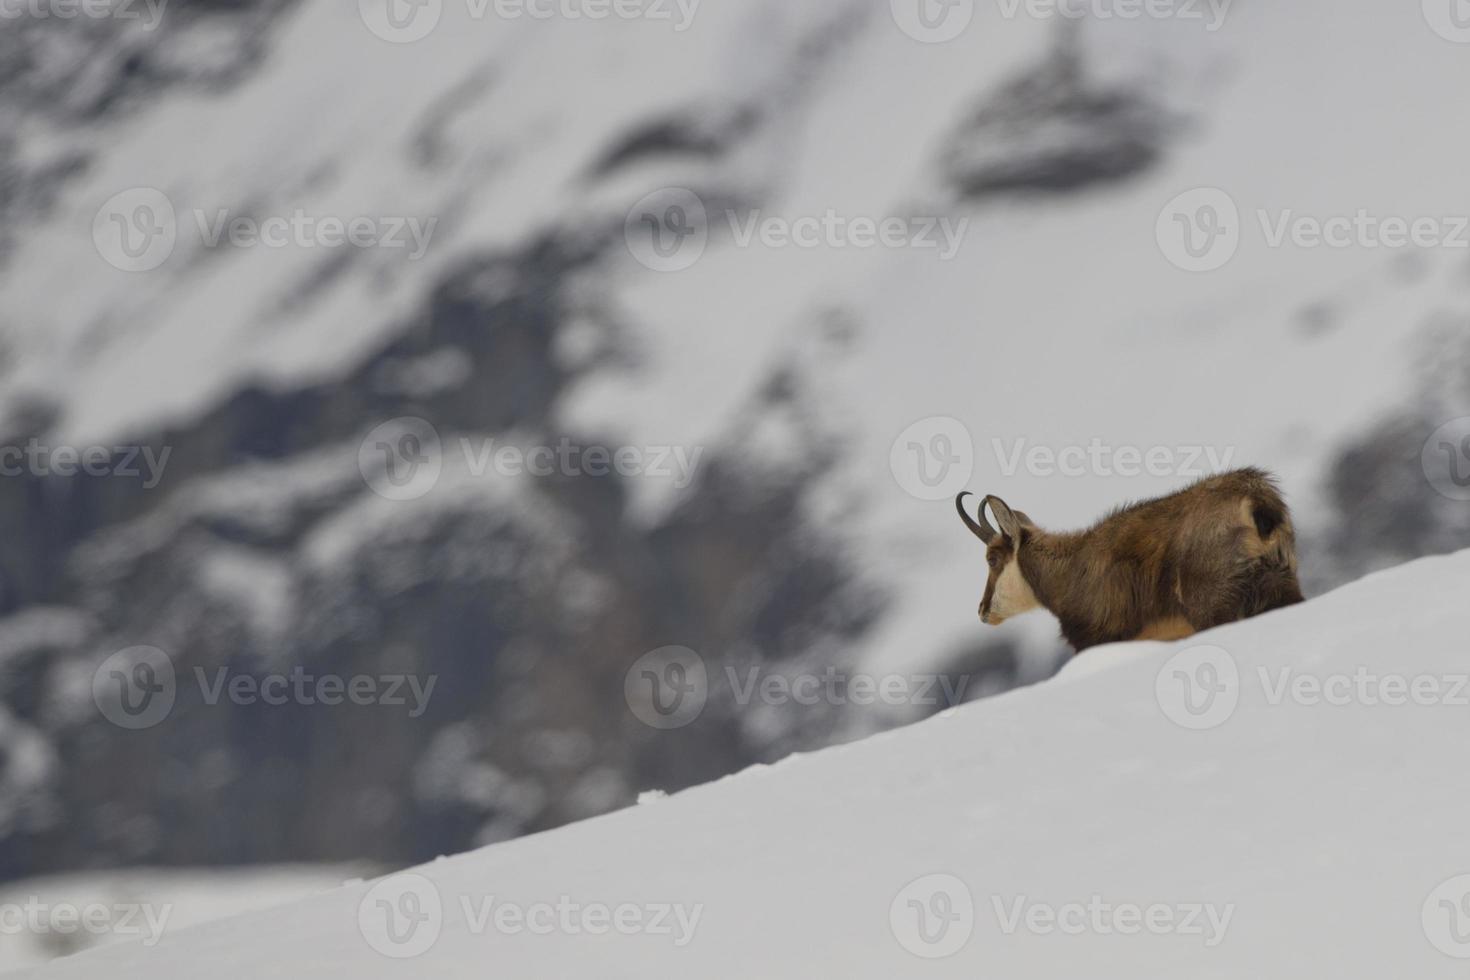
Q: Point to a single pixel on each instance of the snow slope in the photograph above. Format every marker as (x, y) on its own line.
(132, 903)
(1248, 835)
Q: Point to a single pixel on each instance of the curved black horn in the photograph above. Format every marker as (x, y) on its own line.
(981, 529)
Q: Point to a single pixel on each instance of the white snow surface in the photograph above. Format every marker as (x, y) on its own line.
(1326, 839)
(136, 902)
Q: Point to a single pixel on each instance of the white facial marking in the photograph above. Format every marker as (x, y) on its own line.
(1012, 596)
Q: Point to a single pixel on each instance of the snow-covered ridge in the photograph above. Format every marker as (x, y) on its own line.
(1280, 797)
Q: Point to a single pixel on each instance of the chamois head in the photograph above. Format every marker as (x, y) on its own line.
(1007, 593)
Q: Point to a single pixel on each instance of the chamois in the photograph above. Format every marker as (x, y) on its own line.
(1220, 550)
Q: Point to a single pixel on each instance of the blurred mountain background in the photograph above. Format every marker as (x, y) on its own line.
(789, 377)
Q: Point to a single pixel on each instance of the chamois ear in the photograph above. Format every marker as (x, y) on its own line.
(1007, 520)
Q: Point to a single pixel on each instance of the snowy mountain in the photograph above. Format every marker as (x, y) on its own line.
(1275, 798)
(1095, 250)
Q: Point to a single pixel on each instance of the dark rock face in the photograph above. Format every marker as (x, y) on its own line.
(80, 68)
(694, 135)
(64, 75)
(1057, 129)
(264, 552)
(1386, 507)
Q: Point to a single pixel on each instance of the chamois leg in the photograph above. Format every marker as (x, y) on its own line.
(1258, 587)
(1275, 588)
(1173, 628)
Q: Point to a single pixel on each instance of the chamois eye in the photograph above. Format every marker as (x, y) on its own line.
(994, 560)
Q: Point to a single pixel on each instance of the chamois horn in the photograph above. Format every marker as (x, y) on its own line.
(981, 528)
